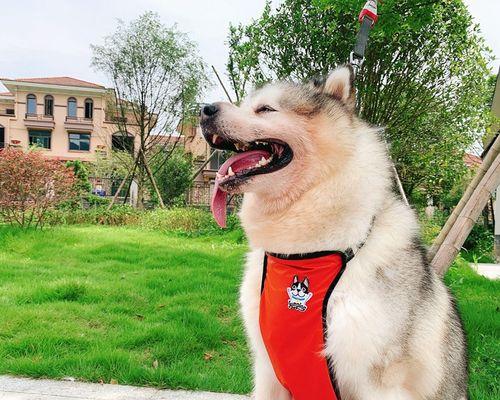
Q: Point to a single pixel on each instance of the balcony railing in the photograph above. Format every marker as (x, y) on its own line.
(79, 120)
(8, 112)
(38, 117)
(79, 124)
(39, 121)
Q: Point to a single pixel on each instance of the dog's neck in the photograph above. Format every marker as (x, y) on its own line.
(333, 215)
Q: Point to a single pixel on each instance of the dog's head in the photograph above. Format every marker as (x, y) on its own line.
(286, 137)
(299, 289)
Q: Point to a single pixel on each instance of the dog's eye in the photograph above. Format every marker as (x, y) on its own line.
(264, 109)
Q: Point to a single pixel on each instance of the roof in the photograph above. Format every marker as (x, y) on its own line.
(58, 80)
(472, 160)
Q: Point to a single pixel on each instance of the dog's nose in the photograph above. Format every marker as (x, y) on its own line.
(209, 110)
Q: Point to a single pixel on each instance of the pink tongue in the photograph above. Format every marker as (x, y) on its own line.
(238, 162)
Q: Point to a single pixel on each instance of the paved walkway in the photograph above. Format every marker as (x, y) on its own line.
(44, 389)
(491, 271)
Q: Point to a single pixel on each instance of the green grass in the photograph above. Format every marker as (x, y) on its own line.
(149, 308)
(100, 303)
(479, 304)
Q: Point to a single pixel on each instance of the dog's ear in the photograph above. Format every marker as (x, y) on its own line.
(306, 283)
(295, 279)
(340, 84)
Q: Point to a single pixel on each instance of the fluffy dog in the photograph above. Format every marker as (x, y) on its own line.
(317, 178)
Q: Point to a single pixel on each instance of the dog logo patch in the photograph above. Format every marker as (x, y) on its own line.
(298, 294)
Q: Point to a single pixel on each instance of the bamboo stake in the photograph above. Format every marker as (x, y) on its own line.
(487, 162)
(152, 180)
(131, 175)
(467, 217)
(205, 163)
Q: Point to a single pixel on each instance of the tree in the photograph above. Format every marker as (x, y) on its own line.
(82, 184)
(424, 78)
(157, 77)
(174, 177)
(31, 185)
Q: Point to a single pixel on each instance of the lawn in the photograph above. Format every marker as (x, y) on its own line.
(148, 308)
(125, 305)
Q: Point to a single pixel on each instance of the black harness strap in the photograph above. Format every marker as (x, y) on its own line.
(368, 17)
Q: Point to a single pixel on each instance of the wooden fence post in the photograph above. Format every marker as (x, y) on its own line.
(459, 227)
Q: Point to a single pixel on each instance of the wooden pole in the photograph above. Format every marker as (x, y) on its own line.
(152, 179)
(205, 163)
(488, 160)
(466, 218)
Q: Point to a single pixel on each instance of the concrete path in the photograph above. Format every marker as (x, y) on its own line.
(491, 271)
(44, 389)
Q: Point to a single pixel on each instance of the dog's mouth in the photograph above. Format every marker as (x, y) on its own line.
(251, 159)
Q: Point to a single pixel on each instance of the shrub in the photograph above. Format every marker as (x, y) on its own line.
(479, 244)
(185, 221)
(190, 221)
(82, 183)
(31, 185)
(430, 227)
(173, 177)
(118, 215)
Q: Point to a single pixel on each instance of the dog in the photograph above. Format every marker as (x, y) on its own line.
(316, 178)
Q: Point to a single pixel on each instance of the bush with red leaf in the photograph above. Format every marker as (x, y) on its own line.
(31, 185)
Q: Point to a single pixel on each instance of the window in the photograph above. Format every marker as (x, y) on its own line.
(122, 142)
(2, 137)
(49, 106)
(89, 108)
(79, 141)
(40, 138)
(72, 107)
(31, 104)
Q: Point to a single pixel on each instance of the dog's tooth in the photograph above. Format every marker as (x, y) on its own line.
(218, 176)
(214, 138)
(230, 172)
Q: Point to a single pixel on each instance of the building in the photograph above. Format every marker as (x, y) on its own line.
(66, 117)
(206, 164)
(494, 132)
(71, 119)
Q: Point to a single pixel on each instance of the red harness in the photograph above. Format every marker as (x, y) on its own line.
(295, 293)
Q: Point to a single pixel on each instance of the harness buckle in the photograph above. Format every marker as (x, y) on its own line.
(356, 62)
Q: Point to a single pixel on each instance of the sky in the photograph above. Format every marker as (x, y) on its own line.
(43, 38)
